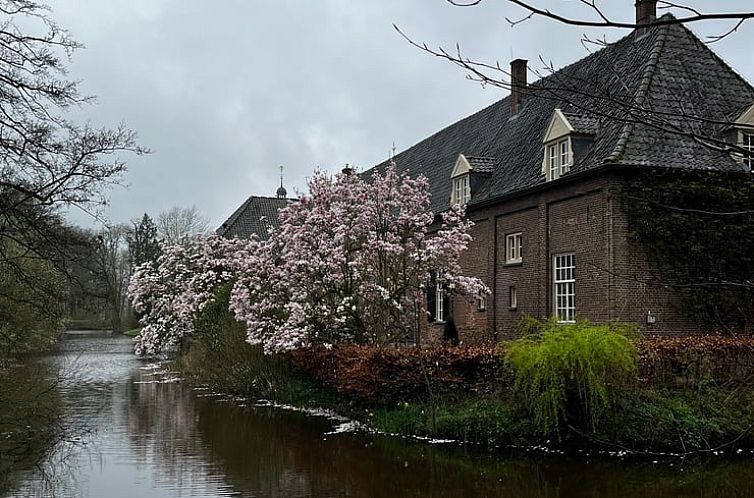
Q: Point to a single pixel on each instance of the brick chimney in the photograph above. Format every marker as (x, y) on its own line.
(518, 84)
(646, 12)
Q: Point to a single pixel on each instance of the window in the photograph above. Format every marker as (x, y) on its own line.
(512, 297)
(564, 287)
(558, 158)
(461, 191)
(748, 145)
(439, 301)
(482, 302)
(513, 248)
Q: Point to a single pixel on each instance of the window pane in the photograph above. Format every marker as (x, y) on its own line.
(553, 156)
(564, 156)
(564, 287)
(748, 145)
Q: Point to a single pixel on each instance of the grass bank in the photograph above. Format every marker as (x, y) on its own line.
(593, 401)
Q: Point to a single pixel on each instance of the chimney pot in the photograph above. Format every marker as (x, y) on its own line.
(518, 84)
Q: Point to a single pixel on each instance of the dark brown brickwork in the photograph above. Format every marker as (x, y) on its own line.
(472, 323)
(586, 218)
(637, 289)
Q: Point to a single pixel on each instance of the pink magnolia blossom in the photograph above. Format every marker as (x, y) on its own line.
(348, 263)
(170, 293)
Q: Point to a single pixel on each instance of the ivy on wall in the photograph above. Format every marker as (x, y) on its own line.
(697, 229)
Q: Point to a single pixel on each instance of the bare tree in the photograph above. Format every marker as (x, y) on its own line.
(46, 160)
(177, 223)
(593, 16)
(115, 268)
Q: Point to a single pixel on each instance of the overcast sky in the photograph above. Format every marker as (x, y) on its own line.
(224, 92)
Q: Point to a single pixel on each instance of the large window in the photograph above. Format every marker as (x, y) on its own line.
(558, 158)
(461, 190)
(564, 287)
(513, 248)
(748, 145)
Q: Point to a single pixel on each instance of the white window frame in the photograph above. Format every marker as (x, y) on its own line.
(558, 158)
(482, 302)
(461, 190)
(512, 297)
(564, 287)
(514, 248)
(747, 143)
(439, 295)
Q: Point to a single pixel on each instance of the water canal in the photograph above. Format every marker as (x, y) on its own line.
(148, 436)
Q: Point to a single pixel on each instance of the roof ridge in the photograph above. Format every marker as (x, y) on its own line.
(230, 222)
(236, 214)
(642, 92)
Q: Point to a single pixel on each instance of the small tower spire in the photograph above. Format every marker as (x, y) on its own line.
(281, 192)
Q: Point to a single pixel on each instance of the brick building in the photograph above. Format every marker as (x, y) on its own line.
(542, 173)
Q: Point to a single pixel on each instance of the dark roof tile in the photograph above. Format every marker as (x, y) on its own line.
(253, 217)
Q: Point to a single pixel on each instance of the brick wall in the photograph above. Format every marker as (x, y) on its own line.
(586, 218)
(638, 289)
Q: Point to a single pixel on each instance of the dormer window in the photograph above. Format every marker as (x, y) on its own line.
(744, 136)
(469, 173)
(558, 158)
(461, 190)
(566, 134)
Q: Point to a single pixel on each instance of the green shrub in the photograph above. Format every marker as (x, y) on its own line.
(564, 370)
(220, 356)
(481, 421)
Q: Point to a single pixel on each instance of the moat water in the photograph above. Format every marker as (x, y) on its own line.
(136, 433)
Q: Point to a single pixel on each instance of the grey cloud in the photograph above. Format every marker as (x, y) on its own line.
(226, 91)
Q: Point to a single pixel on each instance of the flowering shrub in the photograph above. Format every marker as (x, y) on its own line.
(170, 293)
(348, 264)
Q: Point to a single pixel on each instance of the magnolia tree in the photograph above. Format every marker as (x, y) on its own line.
(171, 292)
(349, 263)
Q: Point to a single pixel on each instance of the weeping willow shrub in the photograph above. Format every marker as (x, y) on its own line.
(564, 371)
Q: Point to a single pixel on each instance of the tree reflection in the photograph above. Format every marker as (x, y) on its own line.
(31, 420)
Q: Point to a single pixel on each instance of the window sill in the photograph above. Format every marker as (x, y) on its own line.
(513, 308)
(517, 262)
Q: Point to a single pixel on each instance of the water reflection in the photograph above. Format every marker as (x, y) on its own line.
(30, 419)
(155, 439)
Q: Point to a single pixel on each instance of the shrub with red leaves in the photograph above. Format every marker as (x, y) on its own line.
(386, 375)
(692, 360)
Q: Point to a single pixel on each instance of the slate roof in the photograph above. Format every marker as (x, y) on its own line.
(482, 164)
(658, 76)
(583, 124)
(253, 217)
